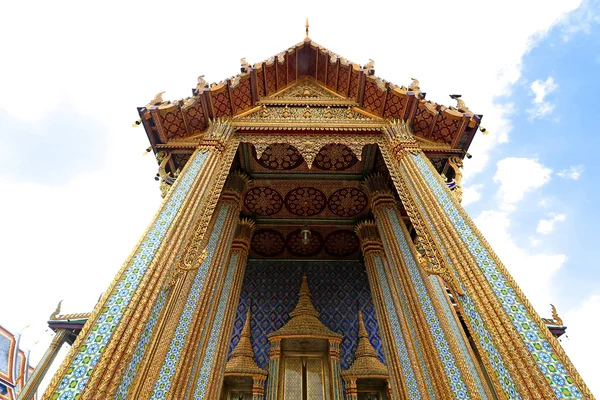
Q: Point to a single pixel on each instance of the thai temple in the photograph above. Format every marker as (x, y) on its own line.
(15, 369)
(311, 245)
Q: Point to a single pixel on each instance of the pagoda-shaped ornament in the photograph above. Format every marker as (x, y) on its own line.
(304, 320)
(366, 364)
(242, 363)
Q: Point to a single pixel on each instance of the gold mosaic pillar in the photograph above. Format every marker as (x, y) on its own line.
(274, 361)
(208, 376)
(409, 378)
(336, 369)
(441, 344)
(190, 305)
(117, 331)
(521, 356)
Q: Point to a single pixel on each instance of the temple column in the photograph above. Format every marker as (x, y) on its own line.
(440, 342)
(32, 384)
(108, 341)
(210, 367)
(336, 369)
(409, 378)
(190, 306)
(273, 377)
(522, 356)
(258, 387)
(351, 388)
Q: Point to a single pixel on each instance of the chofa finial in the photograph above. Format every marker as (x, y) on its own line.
(306, 27)
(57, 311)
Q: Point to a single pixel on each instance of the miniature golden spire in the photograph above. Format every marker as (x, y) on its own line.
(242, 357)
(304, 319)
(306, 26)
(366, 362)
(305, 305)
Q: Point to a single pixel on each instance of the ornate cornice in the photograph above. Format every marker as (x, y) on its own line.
(243, 235)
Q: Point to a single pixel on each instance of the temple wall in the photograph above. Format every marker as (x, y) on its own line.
(337, 289)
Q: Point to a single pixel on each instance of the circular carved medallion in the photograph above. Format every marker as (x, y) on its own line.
(296, 247)
(341, 243)
(305, 201)
(263, 201)
(268, 242)
(280, 156)
(347, 202)
(335, 157)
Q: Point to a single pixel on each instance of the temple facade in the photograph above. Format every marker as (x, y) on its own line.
(311, 245)
(15, 369)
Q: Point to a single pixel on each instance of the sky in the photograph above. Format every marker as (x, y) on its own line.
(77, 192)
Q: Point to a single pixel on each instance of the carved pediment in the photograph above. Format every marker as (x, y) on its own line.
(308, 92)
(308, 105)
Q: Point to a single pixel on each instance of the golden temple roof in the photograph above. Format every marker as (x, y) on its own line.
(242, 361)
(260, 84)
(304, 321)
(366, 363)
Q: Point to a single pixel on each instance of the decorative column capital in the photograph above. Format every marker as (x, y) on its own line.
(401, 139)
(334, 349)
(369, 237)
(379, 191)
(216, 136)
(243, 235)
(275, 350)
(234, 188)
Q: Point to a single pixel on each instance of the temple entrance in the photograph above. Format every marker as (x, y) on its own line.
(305, 373)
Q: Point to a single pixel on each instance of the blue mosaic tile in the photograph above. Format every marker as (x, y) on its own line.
(138, 354)
(413, 333)
(111, 314)
(440, 292)
(439, 338)
(524, 324)
(407, 368)
(169, 365)
(215, 332)
(472, 316)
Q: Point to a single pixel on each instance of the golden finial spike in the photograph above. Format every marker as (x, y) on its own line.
(306, 26)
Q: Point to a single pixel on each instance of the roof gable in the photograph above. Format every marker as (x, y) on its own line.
(333, 81)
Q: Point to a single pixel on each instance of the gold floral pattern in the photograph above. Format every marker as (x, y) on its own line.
(341, 243)
(305, 201)
(347, 202)
(296, 247)
(335, 157)
(268, 242)
(263, 201)
(280, 156)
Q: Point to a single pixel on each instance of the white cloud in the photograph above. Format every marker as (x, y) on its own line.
(546, 226)
(516, 177)
(581, 20)
(534, 241)
(533, 272)
(471, 194)
(542, 89)
(583, 326)
(573, 172)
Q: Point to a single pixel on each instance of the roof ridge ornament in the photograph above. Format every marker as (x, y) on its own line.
(306, 27)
